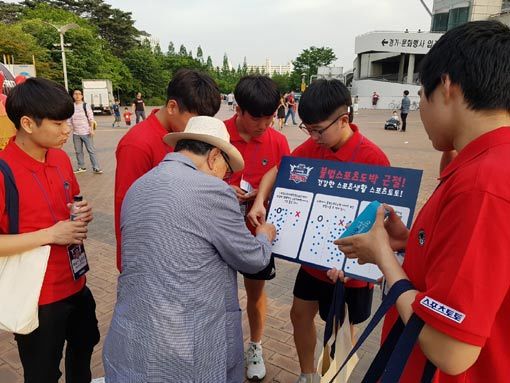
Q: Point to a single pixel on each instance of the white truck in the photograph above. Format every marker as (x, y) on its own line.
(99, 95)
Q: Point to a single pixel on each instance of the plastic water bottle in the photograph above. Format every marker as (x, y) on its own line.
(74, 208)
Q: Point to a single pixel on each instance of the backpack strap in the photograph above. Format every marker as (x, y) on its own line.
(11, 197)
(396, 290)
(85, 110)
(402, 351)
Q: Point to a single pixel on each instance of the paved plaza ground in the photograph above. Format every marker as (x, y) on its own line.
(410, 149)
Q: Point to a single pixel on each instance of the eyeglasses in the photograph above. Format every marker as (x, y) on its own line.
(229, 171)
(319, 132)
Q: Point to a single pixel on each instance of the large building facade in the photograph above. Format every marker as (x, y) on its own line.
(447, 14)
(270, 69)
(388, 62)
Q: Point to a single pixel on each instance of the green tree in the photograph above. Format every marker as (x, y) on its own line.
(225, 68)
(10, 13)
(114, 26)
(308, 62)
(200, 54)
(282, 81)
(14, 41)
(209, 63)
(148, 75)
(171, 49)
(244, 70)
(183, 51)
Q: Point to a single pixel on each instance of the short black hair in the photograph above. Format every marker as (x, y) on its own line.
(258, 95)
(321, 99)
(194, 92)
(38, 99)
(475, 56)
(197, 147)
(406, 92)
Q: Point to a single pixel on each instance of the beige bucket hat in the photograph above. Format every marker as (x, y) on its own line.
(212, 131)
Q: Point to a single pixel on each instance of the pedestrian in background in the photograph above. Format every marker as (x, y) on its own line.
(139, 107)
(116, 114)
(82, 122)
(404, 109)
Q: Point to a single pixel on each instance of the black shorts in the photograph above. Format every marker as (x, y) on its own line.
(359, 300)
(264, 275)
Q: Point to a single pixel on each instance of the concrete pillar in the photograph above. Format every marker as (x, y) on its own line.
(410, 69)
(401, 67)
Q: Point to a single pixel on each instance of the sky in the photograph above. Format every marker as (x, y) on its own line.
(276, 29)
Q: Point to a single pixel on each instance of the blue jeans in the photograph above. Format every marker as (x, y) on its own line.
(140, 114)
(78, 142)
(292, 113)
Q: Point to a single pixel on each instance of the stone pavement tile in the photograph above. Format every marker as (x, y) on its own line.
(276, 334)
(284, 362)
(286, 377)
(9, 375)
(12, 358)
(281, 348)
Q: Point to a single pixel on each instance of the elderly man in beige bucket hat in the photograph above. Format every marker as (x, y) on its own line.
(183, 241)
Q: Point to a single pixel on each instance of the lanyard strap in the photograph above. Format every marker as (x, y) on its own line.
(336, 315)
(403, 349)
(356, 149)
(396, 290)
(46, 197)
(11, 197)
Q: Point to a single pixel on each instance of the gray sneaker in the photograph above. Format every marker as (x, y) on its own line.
(309, 378)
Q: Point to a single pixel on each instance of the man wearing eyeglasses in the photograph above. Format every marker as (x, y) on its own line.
(325, 109)
(262, 148)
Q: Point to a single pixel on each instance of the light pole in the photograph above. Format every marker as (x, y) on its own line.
(62, 30)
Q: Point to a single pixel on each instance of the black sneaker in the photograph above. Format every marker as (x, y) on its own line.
(97, 171)
(80, 170)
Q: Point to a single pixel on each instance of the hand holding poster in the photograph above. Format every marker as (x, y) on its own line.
(314, 201)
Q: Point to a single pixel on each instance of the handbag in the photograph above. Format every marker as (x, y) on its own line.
(342, 346)
(21, 275)
(390, 361)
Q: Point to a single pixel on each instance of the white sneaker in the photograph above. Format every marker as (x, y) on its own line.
(255, 368)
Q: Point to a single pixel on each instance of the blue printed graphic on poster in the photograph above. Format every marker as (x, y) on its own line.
(314, 201)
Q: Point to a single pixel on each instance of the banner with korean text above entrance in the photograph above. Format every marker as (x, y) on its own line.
(314, 201)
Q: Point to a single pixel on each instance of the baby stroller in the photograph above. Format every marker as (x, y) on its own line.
(392, 124)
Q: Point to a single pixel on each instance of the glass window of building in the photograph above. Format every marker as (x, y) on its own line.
(458, 16)
(440, 22)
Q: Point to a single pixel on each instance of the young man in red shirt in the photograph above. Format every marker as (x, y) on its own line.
(262, 148)
(325, 109)
(457, 250)
(190, 93)
(46, 185)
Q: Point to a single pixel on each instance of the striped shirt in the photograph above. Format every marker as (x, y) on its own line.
(79, 122)
(177, 317)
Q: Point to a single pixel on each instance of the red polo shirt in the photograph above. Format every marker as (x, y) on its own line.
(357, 149)
(457, 257)
(260, 154)
(141, 149)
(44, 190)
